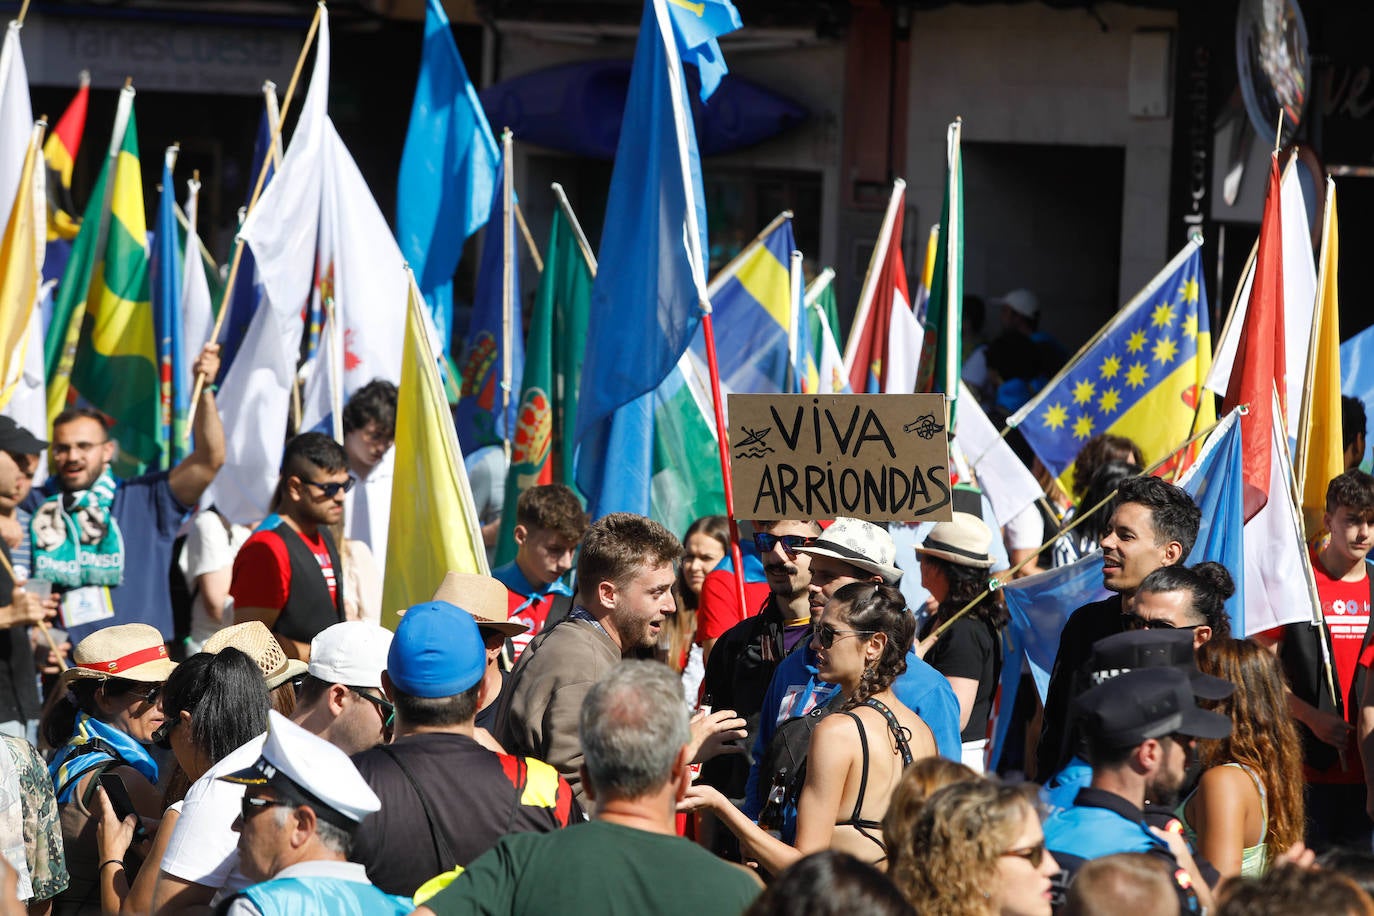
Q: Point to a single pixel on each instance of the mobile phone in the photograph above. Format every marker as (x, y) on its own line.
(118, 795)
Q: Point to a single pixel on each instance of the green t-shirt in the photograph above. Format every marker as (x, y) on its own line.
(596, 868)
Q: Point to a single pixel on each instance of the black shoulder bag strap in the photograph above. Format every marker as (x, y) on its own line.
(899, 731)
(442, 849)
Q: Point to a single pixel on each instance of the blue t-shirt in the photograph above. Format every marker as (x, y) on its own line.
(149, 517)
(921, 689)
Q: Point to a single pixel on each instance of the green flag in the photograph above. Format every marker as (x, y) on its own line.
(116, 367)
(686, 482)
(547, 413)
(824, 301)
(942, 349)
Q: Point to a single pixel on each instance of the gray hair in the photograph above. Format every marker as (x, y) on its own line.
(633, 723)
(335, 839)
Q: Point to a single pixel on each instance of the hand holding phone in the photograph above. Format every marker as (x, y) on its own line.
(123, 806)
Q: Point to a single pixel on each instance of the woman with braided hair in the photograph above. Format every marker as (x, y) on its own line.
(858, 751)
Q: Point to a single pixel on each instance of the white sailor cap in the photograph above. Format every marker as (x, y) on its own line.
(310, 770)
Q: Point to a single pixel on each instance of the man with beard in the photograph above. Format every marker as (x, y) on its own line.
(625, 577)
(288, 574)
(1152, 524)
(742, 663)
(1140, 733)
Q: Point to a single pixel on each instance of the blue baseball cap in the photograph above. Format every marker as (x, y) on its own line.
(437, 651)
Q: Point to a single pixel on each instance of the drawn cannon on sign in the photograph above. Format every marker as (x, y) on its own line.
(923, 426)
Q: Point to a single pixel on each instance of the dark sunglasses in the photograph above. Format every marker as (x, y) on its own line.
(790, 542)
(1136, 622)
(151, 694)
(332, 489)
(1032, 854)
(825, 634)
(386, 708)
(251, 805)
(162, 735)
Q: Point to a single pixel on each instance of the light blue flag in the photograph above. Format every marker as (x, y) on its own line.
(448, 170)
(1040, 605)
(1357, 374)
(615, 463)
(698, 25)
(166, 289)
(479, 417)
(647, 299)
(1215, 481)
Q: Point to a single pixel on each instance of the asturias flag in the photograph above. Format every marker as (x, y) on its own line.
(1140, 377)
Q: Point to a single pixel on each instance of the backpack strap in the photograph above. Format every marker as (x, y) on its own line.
(436, 836)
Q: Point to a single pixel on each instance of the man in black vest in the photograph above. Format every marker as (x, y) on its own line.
(288, 574)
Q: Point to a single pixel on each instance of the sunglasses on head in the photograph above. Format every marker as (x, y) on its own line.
(1032, 854)
(1136, 622)
(333, 488)
(790, 542)
(825, 634)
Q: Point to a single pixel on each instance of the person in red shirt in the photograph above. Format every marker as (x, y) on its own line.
(549, 524)
(288, 574)
(1336, 797)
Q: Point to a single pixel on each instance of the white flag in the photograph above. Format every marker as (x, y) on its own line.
(1279, 587)
(16, 120)
(1009, 485)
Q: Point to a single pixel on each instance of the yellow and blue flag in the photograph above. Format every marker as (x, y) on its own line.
(1140, 377)
(751, 305)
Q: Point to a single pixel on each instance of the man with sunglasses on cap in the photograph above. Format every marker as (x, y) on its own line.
(303, 801)
(288, 574)
(1140, 731)
(850, 550)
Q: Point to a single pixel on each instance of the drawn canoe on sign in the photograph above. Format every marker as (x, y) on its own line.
(577, 108)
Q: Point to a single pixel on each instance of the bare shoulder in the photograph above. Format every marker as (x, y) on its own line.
(1226, 783)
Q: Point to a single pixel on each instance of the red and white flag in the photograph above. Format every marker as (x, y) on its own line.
(884, 347)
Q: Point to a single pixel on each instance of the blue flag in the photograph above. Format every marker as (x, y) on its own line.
(242, 301)
(479, 416)
(1215, 482)
(166, 270)
(648, 295)
(1040, 605)
(448, 170)
(697, 26)
(1357, 374)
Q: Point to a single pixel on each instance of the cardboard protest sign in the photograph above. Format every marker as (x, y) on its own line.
(881, 457)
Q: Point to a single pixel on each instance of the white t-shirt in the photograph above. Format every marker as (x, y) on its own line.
(204, 846)
(1025, 530)
(211, 545)
(367, 507)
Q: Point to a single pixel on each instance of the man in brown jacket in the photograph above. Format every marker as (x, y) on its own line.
(625, 578)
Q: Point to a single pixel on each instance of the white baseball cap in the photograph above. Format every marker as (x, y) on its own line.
(312, 770)
(352, 653)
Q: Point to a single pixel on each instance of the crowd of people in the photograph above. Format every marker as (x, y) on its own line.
(203, 715)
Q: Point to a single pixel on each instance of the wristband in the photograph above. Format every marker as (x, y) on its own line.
(119, 862)
(210, 389)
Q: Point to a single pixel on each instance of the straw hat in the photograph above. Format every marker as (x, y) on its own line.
(485, 598)
(132, 651)
(965, 541)
(254, 640)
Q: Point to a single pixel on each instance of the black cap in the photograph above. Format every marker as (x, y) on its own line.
(1163, 648)
(15, 438)
(1146, 703)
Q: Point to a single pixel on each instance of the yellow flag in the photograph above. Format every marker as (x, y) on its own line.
(433, 518)
(1320, 456)
(21, 265)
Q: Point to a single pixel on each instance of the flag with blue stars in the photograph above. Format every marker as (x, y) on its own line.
(1140, 377)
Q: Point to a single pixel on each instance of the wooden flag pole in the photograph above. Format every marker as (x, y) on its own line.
(583, 245)
(42, 624)
(23, 11)
(529, 239)
(253, 200)
(508, 303)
